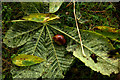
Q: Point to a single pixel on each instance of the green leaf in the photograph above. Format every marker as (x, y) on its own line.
(42, 45)
(27, 72)
(54, 6)
(20, 33)
(40, 17)
(118, 45)
(35, 7)
(41, 7)
(56, 62)
(110, 6)
(95, 43)
(26, 60)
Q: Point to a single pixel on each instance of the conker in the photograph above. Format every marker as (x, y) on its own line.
(59, 39)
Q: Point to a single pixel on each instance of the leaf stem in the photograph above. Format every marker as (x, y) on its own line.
(78, 31)
(54, 49)
(38, 41)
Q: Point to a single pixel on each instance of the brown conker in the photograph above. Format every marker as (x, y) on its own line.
(59, 39)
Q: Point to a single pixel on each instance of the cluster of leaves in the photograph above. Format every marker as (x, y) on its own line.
(33, 35)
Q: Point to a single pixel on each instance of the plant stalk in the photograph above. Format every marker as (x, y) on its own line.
(78, 31)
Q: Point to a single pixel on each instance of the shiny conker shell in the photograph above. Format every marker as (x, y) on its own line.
(59, 39)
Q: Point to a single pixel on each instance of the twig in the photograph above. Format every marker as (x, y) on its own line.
(113, 5)
(69, 4)
(6, 61)
(79, 32)
(98, 11)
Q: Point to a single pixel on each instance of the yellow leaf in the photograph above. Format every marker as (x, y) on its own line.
(26, 60)
(40, 17)
(106, 28)
(112, 33)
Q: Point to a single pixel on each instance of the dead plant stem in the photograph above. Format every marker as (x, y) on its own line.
(78, 31)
